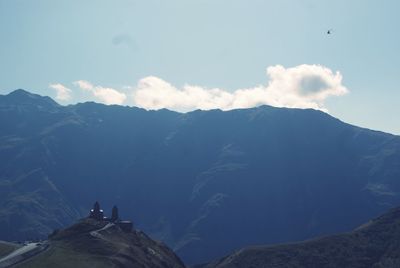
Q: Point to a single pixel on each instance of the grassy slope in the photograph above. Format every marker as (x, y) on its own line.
(6, 248)
(75, 247)
(60, 255)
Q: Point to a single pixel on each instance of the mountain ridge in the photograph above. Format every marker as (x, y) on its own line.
(186, 177)
(25, 94)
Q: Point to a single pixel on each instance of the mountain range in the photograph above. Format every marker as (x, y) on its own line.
(204, 182)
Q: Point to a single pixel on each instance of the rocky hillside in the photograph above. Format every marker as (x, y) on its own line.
(90, 243)
(375, 244)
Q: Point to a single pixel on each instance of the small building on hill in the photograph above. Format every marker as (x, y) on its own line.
(125, 226)
(97, 213)
(114, 214)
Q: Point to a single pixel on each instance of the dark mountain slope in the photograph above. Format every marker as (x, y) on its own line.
(375, 244)
(286, 175)
(193, 180)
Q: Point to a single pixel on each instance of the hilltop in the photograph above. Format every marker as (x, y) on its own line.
(93, 242)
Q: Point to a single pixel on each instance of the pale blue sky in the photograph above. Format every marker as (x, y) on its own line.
(212, 43)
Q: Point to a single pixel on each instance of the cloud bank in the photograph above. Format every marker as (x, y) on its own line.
(62, 93)
(103, 94)
(303, 86)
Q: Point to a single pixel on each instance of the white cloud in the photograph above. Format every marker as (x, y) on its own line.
(63, 93)
(103, 94)
(85, 85)
(303, 86)
(109, 95)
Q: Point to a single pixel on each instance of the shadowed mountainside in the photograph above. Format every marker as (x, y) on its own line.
(205, 182)
(375, 244)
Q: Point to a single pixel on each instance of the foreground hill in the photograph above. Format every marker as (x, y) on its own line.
(205, 182)
(91, 243)
(6, 248)
(375, 244)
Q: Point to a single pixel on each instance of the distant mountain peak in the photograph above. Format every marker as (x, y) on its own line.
(23, 97)
(21, 93)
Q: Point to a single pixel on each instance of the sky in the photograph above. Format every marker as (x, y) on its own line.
(205, 54)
